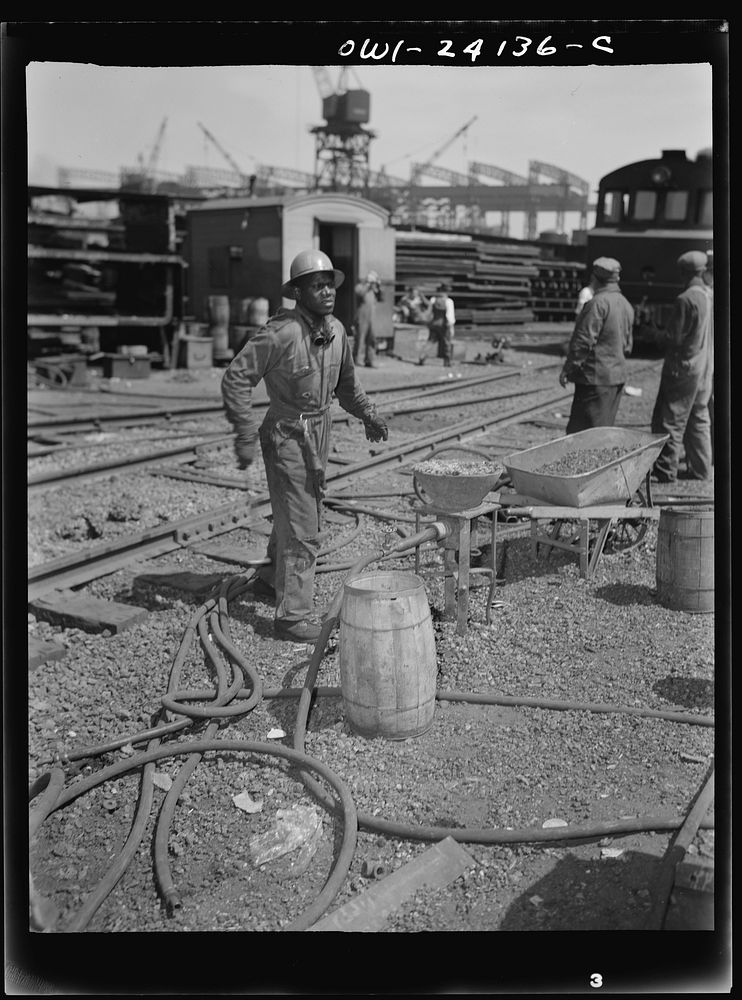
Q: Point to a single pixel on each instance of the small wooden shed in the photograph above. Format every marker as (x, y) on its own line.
(242, 248)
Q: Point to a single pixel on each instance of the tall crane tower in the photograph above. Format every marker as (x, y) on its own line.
(342, 143)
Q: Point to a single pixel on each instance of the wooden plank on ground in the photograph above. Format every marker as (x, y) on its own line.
(230, 553)
(439, 865)
(42, 650)
(178, 579)
(91, 614)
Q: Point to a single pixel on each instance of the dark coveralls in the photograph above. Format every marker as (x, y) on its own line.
(364, 346)
(682, 406)
(596, 358)
(301, 379)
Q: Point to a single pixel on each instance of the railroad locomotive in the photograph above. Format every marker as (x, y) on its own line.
(648, 214)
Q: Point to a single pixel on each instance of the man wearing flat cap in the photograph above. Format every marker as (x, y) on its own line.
(682, 406)
(596, 357)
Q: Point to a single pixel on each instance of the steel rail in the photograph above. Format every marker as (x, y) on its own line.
(96, 422)
(79, 568)
(100, 469)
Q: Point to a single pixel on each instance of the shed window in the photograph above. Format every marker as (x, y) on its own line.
(645, 204)
(676, 206)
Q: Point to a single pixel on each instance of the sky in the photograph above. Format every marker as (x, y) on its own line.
(588, 120)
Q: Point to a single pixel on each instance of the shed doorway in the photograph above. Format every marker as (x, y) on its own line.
(339, 242)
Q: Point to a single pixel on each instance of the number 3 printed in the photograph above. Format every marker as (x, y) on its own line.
(596, 980)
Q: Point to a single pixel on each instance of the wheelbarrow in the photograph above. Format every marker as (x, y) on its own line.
(604, 509)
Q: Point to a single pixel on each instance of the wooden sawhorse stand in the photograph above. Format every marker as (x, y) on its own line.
(457, 558)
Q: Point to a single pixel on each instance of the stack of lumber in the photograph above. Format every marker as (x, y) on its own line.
(555, 290)
(490, 282)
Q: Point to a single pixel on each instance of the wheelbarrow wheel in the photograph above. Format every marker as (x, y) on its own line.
(627, 532)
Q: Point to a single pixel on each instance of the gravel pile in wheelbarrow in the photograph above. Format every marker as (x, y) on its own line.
(453, 467)
(578, 462)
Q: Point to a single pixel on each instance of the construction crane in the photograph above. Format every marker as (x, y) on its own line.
(537, 169)
(496, 173)
(244, 180)
(154, 156)
(418, 169)
(477, 169)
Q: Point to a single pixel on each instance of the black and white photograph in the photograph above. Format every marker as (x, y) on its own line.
(377, 512)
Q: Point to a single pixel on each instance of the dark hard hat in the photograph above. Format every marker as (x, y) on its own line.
(310, 262)
(606, 268)
(694, 261)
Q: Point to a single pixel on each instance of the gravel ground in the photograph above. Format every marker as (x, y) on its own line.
(518, 765)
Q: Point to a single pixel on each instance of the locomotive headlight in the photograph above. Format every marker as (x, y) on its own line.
(660, 175)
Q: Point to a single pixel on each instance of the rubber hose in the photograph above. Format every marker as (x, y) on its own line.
(347, 806)
(468, 835)
(225, 693)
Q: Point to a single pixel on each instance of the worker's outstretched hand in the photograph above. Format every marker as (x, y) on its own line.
(563, 380)
(376, 428)
(244, 450)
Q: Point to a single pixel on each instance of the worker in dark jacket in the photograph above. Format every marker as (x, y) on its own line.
(682, 405)
(368, 293)
(596, 357)
(304, 358)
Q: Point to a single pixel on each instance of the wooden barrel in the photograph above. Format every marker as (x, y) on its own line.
(218, 309)
(258, 312)
(387, 655)
(685, 559)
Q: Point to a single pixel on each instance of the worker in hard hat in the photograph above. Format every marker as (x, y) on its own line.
(368, 293)
(682, 405)
(303, 355)
(601, 342)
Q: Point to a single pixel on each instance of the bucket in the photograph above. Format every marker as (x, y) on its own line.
(387, 656)
(258, 312)
(685, 559)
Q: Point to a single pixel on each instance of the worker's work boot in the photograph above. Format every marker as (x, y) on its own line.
(297, 631)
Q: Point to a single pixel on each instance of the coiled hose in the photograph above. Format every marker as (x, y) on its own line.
(240, 696)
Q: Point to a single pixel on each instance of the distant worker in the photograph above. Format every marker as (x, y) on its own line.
(441, 324)
(596, 356)
(413, 307)
(368, 293)
(304, 357)
(682, 405)
(586, 293)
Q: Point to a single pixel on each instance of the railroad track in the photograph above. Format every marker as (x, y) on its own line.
(417, 401)
(99, 560)
(145, 413)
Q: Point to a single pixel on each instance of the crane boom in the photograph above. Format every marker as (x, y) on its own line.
(233, 164)
(155, 154)
(441, 149)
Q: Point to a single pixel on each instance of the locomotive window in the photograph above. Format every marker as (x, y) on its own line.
(614, 206)
(705, 208)
(676, 206)
(645, 204)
